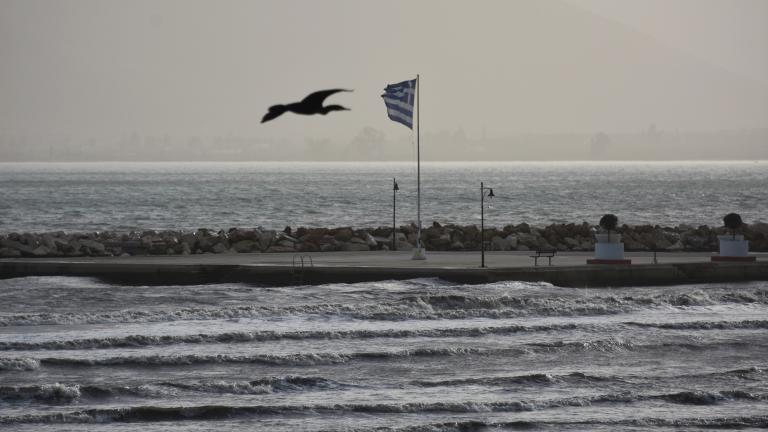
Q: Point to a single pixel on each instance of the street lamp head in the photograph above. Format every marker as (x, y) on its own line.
(490, 193)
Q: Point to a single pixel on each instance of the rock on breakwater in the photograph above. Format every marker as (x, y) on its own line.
(563, 237)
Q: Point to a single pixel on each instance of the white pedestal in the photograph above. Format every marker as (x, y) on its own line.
(609, 251)
(733, 248)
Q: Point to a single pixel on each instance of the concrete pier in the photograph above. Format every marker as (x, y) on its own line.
(568, 269)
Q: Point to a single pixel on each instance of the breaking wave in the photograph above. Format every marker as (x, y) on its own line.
(299, 359)
(235, 337)
(18, 364)
(212, 412)
(608, 345)
(714, 423)
(436, 306)
(63, 393)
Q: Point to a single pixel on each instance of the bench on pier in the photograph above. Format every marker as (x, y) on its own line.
(543, 254)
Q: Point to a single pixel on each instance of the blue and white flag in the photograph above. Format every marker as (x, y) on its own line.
(399, 99)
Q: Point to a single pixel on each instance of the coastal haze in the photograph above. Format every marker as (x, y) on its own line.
(521, 80)
(143, 209)
(122, 197)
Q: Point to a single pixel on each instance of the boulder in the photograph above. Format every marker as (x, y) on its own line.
(759, 227)
(399, 237)
(529, 240)
(370, 240)
(308, 247)
(404, 245)
(48, 241)
(6, 252)
(93, 247)
(523, 228)
(440, 243)
(62, 245)
(343, 234)
(13, 244)
(695, 242)
(219, 248)
(244, 246)
(498, 243)
(571, 243)
(266, 238)
(632, 244)
(354, 247)
(329, 247)
(678, 246)
(190, 239)
(278, 248)
(41, 251)
(30, 240)
(286, 243)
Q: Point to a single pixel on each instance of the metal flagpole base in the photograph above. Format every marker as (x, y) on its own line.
(419, 253)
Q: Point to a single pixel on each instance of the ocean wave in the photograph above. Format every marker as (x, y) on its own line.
(54, 393)
(706, 325)
(18, 364)
(709, 398)
(234, 337)
(290, 383)
(433, 306)
(261, 336)
(213, 412)
(65, 393)
(299, 359)
(607, 345)
(541, 379)
(746, 373)
(714, 423)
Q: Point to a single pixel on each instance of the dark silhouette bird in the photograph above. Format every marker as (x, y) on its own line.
(312, 104)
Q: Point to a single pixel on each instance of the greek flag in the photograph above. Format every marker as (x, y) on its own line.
(399, 99)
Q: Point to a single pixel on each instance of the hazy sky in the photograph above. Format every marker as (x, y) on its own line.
(191, 67)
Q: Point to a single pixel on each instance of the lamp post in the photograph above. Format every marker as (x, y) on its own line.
(482, 220)
(395, 188)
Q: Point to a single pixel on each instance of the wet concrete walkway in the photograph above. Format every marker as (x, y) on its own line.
(567, 269)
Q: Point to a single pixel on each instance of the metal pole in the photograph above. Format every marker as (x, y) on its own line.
(418, 160)
(482, 227)
(394, 207)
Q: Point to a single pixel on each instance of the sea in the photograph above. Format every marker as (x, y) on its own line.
(87, 197)
(77, 354)
(421, 355)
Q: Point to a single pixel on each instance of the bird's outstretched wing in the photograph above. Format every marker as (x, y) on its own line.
(317, 98)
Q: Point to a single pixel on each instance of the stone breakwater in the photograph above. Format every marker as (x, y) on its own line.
(522, 237)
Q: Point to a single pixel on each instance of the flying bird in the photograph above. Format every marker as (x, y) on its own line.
(312, 104)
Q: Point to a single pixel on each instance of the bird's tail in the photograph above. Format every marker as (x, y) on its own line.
(274, 111)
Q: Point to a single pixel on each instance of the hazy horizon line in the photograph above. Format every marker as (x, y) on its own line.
(388, 161)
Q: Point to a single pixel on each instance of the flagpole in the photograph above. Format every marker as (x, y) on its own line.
(419, 253)
(418, 159)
